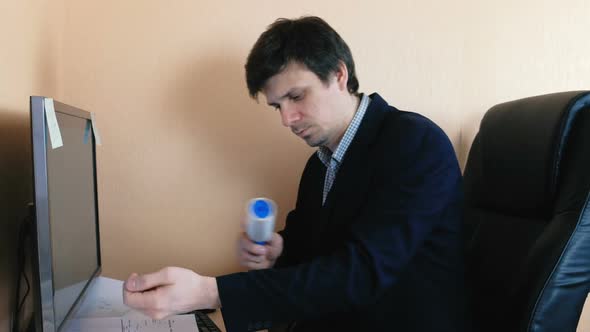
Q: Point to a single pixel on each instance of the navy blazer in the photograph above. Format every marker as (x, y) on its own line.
(384, 253)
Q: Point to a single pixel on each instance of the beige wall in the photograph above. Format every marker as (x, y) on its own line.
(184, 147)
(522, 48)
(29, 65)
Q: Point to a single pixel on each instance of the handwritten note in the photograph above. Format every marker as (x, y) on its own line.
(178, 323)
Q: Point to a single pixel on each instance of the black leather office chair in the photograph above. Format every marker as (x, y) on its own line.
(527, 185)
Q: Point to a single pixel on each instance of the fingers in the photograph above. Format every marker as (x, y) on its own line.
(140, 300)
(140, 283)
(129, 281)
(251, 255)
(265, 264)
(247, 245)
(149, 303)
(247, 257)
(254, 262)
(274, 247)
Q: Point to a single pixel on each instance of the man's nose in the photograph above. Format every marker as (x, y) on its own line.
(289, 116)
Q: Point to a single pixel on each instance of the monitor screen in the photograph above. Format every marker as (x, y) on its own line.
(66, 209)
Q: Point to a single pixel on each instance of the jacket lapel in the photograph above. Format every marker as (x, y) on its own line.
(354, 173)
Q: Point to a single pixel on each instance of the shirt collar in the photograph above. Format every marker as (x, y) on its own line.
(325, 154)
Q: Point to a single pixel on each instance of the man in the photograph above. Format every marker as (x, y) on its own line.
(373, 243)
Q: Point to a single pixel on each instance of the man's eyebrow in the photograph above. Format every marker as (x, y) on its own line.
(291, 91)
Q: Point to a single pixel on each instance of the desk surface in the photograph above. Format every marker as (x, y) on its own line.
(218, 319)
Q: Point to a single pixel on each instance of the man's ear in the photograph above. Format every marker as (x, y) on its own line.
(341, 75)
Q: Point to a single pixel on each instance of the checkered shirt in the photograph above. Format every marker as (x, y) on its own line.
(331, 160)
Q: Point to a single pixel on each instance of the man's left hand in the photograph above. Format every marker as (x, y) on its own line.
(170, 291)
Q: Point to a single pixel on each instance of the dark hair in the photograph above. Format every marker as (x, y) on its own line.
(308, 40)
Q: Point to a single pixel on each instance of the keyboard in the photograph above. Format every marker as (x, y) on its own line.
(205, 323)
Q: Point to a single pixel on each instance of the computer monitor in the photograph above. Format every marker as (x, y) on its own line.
(66, 255)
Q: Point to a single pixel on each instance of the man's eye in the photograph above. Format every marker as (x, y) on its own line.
(296, 97)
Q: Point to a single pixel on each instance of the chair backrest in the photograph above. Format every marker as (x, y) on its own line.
(527, 218)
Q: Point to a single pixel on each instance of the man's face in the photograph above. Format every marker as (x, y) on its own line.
(312, 109)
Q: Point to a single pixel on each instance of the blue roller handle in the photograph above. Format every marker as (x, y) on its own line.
(261, 210)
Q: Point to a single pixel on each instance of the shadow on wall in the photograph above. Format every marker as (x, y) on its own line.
(16, 191)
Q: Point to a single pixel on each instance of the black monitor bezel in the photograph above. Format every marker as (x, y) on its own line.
(44, 311)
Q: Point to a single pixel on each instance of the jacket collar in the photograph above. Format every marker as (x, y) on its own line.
(359, 148)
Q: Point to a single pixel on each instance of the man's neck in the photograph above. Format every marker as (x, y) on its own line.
(350, 108)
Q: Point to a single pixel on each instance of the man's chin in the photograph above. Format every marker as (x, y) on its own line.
(313, 143)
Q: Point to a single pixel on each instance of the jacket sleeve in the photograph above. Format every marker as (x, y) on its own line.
(287, 258)
(409, 194)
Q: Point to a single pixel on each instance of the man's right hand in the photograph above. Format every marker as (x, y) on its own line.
(255, 256)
